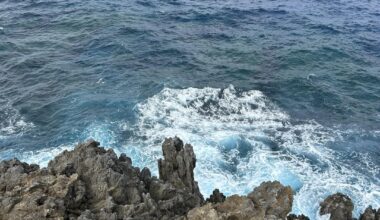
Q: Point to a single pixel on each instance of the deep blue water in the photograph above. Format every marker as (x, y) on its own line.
(283, 90)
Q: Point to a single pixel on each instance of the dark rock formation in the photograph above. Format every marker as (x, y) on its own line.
(370, 214)
(297, 217)
(339, 206)
(91, 183)
(177, 169)
(216, 197)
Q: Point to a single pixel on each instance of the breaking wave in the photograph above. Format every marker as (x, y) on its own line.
(241, 139)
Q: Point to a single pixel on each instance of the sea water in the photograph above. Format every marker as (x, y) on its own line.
(264, 90)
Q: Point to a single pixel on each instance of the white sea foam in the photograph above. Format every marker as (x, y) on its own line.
(97, 131)
(12, 123)
(40, 157)
(101, 132)
(242, 139)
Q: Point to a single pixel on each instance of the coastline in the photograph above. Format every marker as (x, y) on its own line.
(90, 182)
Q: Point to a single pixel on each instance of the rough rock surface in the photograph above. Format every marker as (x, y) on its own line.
(338, 205)
(370, 214)
(270, 200)
(216, 197)
(91, 183)
(297, 217)
(274, 198)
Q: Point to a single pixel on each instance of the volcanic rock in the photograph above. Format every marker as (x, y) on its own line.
(216, 197)
(270, 200)
(91, 182)
(338, 205)
(297, 217)
(370, 214)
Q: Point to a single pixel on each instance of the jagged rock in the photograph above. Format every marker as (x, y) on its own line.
(234, 207)
(338, 205)
(205, 212)
(178, 165)
(269, 201)
(91, 182)
(274, 198)
(370, 214)
(239, 207)
(216, 197)
(297, 217)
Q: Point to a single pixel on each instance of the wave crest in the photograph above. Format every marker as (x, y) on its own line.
(241, 138)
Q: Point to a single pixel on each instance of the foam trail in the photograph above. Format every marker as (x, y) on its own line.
(242, 139)
(11, 122)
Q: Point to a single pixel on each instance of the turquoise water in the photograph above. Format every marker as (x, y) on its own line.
(265, 90)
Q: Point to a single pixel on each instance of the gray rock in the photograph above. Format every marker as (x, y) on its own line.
(176, 170)
(297, 217)
(93, 183)
(370, 214)
(274, 198)
(178, 165)
(269, 201)
(338, 205)
(216, 197)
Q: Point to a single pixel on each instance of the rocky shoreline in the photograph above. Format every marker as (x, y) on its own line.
(91, 182)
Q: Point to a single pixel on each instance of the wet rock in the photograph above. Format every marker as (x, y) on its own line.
(338, 205)
(297, 217)
(216, 197)
(370, 214)
(274, 198)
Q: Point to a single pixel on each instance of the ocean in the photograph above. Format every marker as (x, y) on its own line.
(284, 90)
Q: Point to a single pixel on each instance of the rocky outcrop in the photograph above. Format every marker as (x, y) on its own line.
(270, 200)
(275, 199)
(297, 217)
(339, 206)
(91, 183)
(370, 214)
(216, 197)
(177, 169)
